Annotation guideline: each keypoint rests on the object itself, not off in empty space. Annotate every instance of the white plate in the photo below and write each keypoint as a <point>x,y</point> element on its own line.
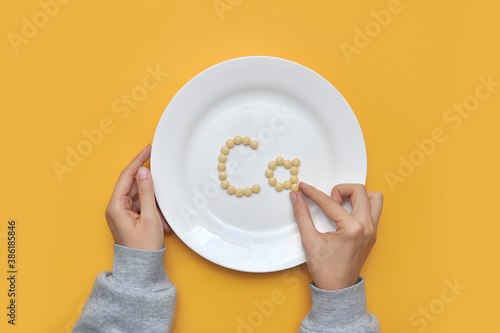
<point>292,112</point>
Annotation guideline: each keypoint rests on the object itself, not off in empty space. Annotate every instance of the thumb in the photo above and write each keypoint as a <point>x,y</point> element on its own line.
<point>303,217</point>
<point>146,193</point>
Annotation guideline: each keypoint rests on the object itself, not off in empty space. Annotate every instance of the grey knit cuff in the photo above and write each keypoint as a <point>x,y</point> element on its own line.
<point>339,309</point>
<point>141,269</point>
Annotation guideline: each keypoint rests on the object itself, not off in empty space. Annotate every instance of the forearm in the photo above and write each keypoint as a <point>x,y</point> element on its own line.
<point>137,296</point>
<point>340,311</point>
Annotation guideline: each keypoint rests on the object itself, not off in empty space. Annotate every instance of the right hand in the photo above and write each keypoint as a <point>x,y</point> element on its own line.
<point>335,259</point>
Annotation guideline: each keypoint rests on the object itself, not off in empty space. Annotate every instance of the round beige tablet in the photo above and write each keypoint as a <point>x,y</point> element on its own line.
<point>221,166</point>
<point>279,160</point>
<point>224,183</point>
<point>269,173</point>
<point>230,143</point>
<point>238,140</point>
<point>222,158</point>
<point>222,175</point>
<point>295,187</point>
<point>271,165</point>
<point>254,144</point>
<point>231,189</point>
<point>287,184</point>
<point>296,162</point>
<point>278,187</point>
<point>294,170</point>
<point>287,164</point>
<point>239,192</point>
<point>294,179</point>
<point>224,150</point>
<point>248,191</point>
<point>272,181</point>
<point>246,140</point>
<point>256,188</point>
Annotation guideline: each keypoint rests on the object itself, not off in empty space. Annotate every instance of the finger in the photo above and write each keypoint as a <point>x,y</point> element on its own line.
<point>359,200</point>
<point>133,191</point>
<point>337,196</point>
<point>166,226</point>
<point>124,184</point>
<point>146,194</point>
<point>331,208</point>
<point>376,204</point>
<point>303,217</point>
<point>136,206</point>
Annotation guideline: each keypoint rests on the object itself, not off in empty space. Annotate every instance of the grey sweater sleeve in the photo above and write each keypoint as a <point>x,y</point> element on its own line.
<point>340,311</point>
<point>137,296</point>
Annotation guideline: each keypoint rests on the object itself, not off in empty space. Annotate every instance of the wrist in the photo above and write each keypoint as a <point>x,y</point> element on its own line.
<point>333,284</point>
<point>141,245</point>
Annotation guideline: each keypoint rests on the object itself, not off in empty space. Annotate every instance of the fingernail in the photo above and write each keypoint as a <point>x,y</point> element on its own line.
<point>293,197</point>
<point>142,173</point>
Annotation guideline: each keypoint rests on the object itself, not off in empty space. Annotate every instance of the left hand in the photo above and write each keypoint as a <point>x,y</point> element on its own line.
<point>132,213</point>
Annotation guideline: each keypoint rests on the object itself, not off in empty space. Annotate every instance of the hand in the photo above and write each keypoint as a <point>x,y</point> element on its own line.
<point>132,213</point>
<point>335,259</point>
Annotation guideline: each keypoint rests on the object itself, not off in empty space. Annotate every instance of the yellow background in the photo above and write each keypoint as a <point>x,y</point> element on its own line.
<point>439,224</point>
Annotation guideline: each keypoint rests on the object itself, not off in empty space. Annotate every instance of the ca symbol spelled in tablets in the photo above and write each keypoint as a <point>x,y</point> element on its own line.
<point>292,165</point>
